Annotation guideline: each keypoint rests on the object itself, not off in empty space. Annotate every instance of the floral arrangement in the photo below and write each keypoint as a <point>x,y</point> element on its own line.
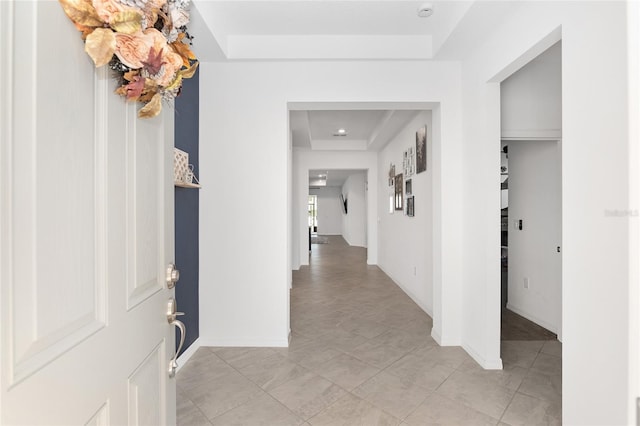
<point>145,42</point>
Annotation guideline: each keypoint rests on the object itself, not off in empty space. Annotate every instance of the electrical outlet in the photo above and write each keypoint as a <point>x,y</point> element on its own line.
<point>526,283</point>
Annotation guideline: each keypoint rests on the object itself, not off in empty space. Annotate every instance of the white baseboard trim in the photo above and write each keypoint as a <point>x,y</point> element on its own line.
<point>188,353</point>
<point>354,244</point>
<point>443,342</point>
<point>436,336</point>
<point>487,364</point>
<point>407,292</point>
<point>244,342</point>
<point>552,328</point>
<point>494,364</point>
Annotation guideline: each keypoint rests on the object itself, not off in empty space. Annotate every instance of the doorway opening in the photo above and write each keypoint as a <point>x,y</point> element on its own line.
<point>531,209</point>
<point>337,206</point>
<point>530,234</point>
<point>313,214</point>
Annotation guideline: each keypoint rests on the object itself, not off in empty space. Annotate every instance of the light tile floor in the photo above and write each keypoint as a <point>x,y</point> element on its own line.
<point>361,354</point>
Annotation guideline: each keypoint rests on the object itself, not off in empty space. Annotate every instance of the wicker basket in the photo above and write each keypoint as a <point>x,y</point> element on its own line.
<point>180,165</point>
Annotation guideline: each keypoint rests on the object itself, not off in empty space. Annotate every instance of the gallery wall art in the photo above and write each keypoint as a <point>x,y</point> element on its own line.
<point>421,149</point>
<point>399,197</point>
<point>408,162</point>
<point>410,206</point>
<point>392,174</point>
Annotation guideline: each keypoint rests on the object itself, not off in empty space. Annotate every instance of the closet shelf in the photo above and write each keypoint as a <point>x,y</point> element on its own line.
<point>187,185</point>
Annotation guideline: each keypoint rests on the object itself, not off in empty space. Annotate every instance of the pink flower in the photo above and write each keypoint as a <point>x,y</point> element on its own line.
<point>157,4</point>
<point>133,49</point>
<point>150,12</point>
<point>172,63</point>
<point>106,8</point>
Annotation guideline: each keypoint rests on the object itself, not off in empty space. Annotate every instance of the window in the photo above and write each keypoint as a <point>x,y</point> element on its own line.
<point>313,213</point>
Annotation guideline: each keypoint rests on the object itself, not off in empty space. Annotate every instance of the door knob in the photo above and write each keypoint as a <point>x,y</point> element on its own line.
<point>173,364</point>
<point>173,275</point>
<point>172,314</point>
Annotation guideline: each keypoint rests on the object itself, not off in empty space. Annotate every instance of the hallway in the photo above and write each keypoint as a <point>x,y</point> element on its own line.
<point>361,353</point>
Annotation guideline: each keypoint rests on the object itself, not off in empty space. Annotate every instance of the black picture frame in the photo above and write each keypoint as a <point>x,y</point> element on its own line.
<point>410,206</point>
<point>421,149</point>
<point>399,192</point>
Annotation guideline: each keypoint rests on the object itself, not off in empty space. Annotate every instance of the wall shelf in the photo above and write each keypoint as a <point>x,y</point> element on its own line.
<point>187,185</point>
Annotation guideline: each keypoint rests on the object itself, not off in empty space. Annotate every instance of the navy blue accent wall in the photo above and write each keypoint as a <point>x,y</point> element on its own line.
<point>186,210</point>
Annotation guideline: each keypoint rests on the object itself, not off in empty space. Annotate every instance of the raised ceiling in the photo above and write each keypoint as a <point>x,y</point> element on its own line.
<point>327,29</point>
<point>367,130</point>
<point>342,30</point>
<point>329,177</point>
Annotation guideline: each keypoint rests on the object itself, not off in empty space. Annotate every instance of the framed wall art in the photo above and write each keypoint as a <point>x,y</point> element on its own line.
<point>392,174</point>
<point>408,162</point>
<point>399,198</point>
<point>410,208</point>
<point>421,149</point>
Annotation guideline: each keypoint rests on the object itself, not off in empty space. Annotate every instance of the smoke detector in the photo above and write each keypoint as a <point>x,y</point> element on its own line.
<point>425,10</point>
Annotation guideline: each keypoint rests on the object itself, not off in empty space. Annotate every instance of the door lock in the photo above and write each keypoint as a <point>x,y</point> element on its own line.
<point>173,275</point>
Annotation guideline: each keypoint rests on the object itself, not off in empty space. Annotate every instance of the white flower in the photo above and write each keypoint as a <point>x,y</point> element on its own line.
<point>180,4</point>
<point>171,35</point>
<point>179,17</point>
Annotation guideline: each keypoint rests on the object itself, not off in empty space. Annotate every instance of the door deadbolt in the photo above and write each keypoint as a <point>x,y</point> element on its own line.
<point>173,275</point>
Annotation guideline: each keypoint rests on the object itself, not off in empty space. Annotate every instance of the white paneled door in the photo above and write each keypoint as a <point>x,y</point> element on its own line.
<point>86,224</point>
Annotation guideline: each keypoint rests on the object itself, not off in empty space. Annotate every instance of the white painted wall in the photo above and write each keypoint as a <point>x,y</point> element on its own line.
<point>406,243</point>
<point>535,197</point>
<point>244,257</point>
<point>531,98</point>
<point>633,37</point>
<point>354,223</point>
<point>329,210</point>
<point>595,165</point>
<point>241,304</point>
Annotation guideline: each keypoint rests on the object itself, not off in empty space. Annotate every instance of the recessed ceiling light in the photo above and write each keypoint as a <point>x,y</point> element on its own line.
<point>340,132</point>
<point>425,10</point>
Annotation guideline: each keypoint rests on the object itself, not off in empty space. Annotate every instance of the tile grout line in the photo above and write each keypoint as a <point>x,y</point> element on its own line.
<point>338,313</point>
<point>517,391</point>
<point>268,393</point>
